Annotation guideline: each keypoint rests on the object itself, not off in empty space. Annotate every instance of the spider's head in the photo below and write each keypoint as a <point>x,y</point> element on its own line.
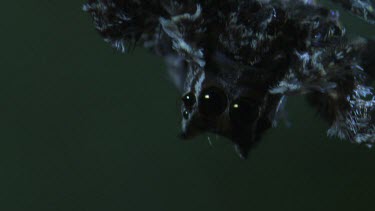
<point>226,105</point>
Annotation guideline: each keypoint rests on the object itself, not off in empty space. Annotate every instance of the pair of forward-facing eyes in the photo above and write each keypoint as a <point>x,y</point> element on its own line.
<point>213,102</point>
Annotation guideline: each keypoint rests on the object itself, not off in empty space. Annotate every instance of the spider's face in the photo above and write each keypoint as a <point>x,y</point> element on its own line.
<point>212,104</point>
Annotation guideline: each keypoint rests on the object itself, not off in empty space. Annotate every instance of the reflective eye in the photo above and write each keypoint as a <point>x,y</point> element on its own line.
<point>243,112</point>
<point>212,102</point>
<point>185,114</point>
<point>189,100</point>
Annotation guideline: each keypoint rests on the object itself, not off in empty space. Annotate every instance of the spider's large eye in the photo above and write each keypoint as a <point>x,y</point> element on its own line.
<point>212,102</point>
<point>243,112</point>
<point>189,100</point>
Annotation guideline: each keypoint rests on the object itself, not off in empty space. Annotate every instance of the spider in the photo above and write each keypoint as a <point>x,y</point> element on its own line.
<point>235,61</point>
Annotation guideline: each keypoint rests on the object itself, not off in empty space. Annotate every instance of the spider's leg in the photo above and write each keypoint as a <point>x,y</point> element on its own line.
<point>349,107</point>
<point>365,9</point>
<point>124,23</point>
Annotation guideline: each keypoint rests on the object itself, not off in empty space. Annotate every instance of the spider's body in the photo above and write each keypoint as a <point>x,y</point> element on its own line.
<point>236,61</point>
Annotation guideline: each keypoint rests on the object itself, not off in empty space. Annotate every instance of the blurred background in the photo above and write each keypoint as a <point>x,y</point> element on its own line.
<point>83,127</point>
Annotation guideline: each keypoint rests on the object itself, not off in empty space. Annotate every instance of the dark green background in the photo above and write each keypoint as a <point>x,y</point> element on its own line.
<point>83,127</point>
